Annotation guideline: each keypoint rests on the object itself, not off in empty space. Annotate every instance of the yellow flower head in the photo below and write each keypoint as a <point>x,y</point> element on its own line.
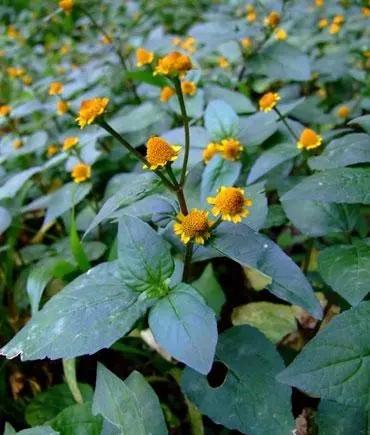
<point>230,149</point>
<point>52,149</point>
<point>12,32</point>
<point>166,93</point>
<point>189,44</point>
<point>66,5</point>
<point>251,16</point>
<point>55,88</point>
<point>246,43</point>
<point>281,34</point>
<point>14,71</point>
<point>272,19</point>
<point>173,63</point>
<point>223,62</point>
<point>309,139</point>
<point>334,28</point>
<point>319,3</point>
<point>69,142</point>
<point>230,203</point>
<point>343,111</point>
<point>143,57</point>
<point>81,172</point>
<point>338,19</point>
<point>176,41</point>
<point>91,109</point>
<point>188,88</point>
<point>64,49</point>
<point>62,107</point>
<point>17,143</point>
<point>323,23</point>
<point>27,79</point>
<point>210,150</point>
<point>195,226</point>
<point>106,40</point>
<point>159,152</point>
<point>5,110</point>
<point>268,101</point>
<point>365,12</point>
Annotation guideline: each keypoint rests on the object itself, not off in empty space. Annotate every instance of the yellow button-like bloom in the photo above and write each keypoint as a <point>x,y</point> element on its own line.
<point>91,109</point>
<point>66,5</point>
<point>323,23</point>
<point>334,28</point>
<point>106,40</point>
<point>69,142</point>
<point>272,19</point>
<point>210,150</point>
<point>251,16</point>
<point>17,143</point>
<point>159,152</point>
<point>338,19</point>
<point>268,101</point>
<point>223,62</point>
<point>365,12</point>
<point>55,88</point>
<point>52,149</point>
<point>62,107</point>
<point>173,63</point>
<point>143,57</point>
<point>195,226</point>
<point>15,72</point>
<point>230,149</point>
<point>281,34</point>
<point>319,3</point>
<point>27,79</point>
<point>230,203</point>
<point>188,88</point>
<point>166,93</point>
<point>81,172</point>
<point>5,110</point>
<point>343,111</point>
<point>12,32</point>
<point>246,43</point>
<point>309,139</point>
<point>189,44</point>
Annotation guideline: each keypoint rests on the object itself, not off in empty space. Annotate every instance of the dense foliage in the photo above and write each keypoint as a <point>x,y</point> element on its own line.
<point>184,210</point>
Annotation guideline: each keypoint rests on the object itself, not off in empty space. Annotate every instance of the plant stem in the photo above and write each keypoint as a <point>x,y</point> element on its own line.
<point>179,192</point>
<point>187,262</point>
<point>134,151</point>
<point>282,118</point>
<point>185,120</point>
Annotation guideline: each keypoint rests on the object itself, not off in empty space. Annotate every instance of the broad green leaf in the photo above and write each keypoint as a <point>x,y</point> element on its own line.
<point>9,429</point>
<point>77,247</point>
<point>275,321</point>
<point>346,268</point>
<point>333,418</point>
<point>258,211</point>
<point>363,121</point>
<point>247,247</point>
<point>130,405</point>
<point>146,77</point>
<point>257,279</point>
<point>239,102</point>
<point>348,150</point>
<point>48,404</point>
<point>90,313</point>
<point>256,128</point>
<point>39,430</point>
<point>194,105</point>
<point>185,327</point>
<point>77,420</point>
<point>249,399</point>
<point>220,120</point>
<point>208,286</point>
<point>5,219</point>
<point>218,172</point>
<point>335,364</point>
<point>281,61</point>
<point>342,185</point>
<point>144,256</point>
<point>14,183</point>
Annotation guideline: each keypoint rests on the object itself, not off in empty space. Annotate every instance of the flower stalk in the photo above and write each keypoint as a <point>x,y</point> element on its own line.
<point>284,121</point>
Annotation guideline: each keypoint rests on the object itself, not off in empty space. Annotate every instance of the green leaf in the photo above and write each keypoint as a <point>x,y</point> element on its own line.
<point>146,77</point>
<point>220,120</point>
<point>347,150</point>
<point>76,246</point>
<point>346,268</point>
<point>258,211</point>
<point>363,121</point>
<point>281,61</point>
<point>208,286</point>
<point>335,364</point>
<point>275,321</point>
<point>185,327</point>
<point>9,429</point>
<point>247,247</point>
<point>239,102</point>
<point>48,404</point>
<point>90,313</point>
<point>77,420</point>
<point>145,257</point>
<point>14,183</point>
<point>218,172</point>
<point>342,185</point>
<point>258,127</point>
<point>5,219</point>
<point>249,399</point>
<point>39,430</point>
<point>132,406</point>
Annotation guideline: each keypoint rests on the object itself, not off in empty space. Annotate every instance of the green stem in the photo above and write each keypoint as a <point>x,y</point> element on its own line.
<point>282,118</point>
<point>185,120</point>
<point>179,192</point>
<point>187,262</point>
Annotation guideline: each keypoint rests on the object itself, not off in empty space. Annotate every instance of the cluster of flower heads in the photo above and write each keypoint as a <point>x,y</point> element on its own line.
<point>228,148</point>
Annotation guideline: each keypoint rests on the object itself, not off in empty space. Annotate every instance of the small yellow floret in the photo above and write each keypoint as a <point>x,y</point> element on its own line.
<point>91,109</point>
<point>230,203</point>
<point>143,57</point>
<point>81,172</point>
<point>268,101</point>
<point>159,152</point>
<point>195,226</point>
<point>309,139</point>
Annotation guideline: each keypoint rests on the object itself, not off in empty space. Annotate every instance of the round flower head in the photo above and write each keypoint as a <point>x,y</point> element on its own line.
<point>309,139</point>
<point>106,40</point>
<point>251,16</point>
<point>281,34</point>
<point>334,28</point>
<point>91,109</point>
<point>5,110</point>
<point>319,3</point>
<point>143,57</point>
<point>176,41</point>
<point>343,111</point>
<point>27,79</point>
<point>230,204</point>
<point>69,142</point>
<point>173,63</point>
<point>223,62</point>
<point>195,226</point>
<point>52,149</point>
<point>15,72</point>
<point>188,88</point>
<point>55,88</point>
<point>338,19</point>
<point>62,107</point>
<point>166,93</point>
<point>230,149</point>
<point>323,23</point>
<point>268,101</point>
<point>210,150</point>
<point>66,5</point>
<point>246,43</point>
<point>272,19</point>
<point>17,143</point>
<point>81,172</point>
<point>365,12</point>
<point>159,152</point>
<point>189,44</point>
